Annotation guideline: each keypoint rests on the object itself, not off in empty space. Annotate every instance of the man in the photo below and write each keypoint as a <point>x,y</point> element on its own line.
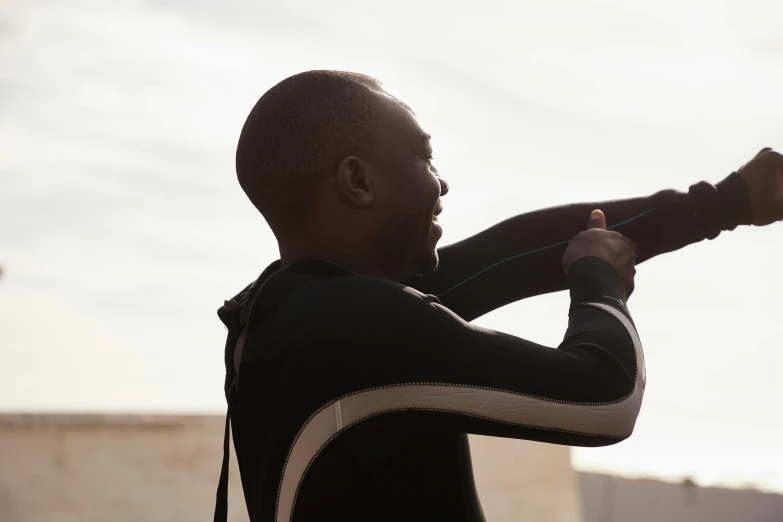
<point>353,373</point>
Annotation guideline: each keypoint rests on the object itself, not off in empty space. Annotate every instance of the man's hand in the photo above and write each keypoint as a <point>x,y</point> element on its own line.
<point>613,247</point>
<point>763,176</point>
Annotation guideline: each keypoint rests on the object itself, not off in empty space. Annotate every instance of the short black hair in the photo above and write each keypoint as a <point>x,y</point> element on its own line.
<point>299,129</point>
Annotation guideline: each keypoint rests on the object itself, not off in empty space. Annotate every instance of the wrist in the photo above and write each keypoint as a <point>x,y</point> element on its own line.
<point>591,278</point>
<point>734,202</point>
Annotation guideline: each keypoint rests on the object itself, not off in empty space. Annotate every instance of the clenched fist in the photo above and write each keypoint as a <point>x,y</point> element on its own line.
<point>763,176</point>
<point>613,247</point>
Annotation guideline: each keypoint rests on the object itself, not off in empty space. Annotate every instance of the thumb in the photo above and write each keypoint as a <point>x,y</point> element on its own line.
<point>597,220</point>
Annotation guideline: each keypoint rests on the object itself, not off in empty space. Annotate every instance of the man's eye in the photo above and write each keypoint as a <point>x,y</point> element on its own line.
<point>430,159</point>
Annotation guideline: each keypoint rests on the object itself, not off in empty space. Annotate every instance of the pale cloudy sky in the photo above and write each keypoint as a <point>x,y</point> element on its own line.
<point>122,228</point>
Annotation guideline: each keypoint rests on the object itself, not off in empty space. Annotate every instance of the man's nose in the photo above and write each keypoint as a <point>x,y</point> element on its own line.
<point>444,186</point>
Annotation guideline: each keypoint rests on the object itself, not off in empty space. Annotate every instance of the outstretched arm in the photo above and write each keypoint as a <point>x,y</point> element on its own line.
<point>521,257</point>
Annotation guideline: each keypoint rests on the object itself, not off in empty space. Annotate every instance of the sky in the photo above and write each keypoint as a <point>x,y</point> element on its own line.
<point>123,229</point>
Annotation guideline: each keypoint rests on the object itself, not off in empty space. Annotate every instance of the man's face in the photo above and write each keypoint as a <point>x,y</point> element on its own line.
<point>410,200</point>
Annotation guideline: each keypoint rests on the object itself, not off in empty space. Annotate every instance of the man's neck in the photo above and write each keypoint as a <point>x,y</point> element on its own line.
<point>356,263</point>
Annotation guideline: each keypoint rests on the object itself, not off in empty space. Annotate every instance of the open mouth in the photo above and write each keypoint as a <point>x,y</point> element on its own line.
<point>437,211</point>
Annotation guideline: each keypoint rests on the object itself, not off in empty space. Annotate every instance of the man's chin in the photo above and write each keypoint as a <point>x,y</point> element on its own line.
<point>428,263</point>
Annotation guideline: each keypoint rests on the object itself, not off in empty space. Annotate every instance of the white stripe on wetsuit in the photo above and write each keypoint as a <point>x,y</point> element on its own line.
<point>614,419</point>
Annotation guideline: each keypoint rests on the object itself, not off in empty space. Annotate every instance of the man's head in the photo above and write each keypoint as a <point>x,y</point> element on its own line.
<point>341,168</point>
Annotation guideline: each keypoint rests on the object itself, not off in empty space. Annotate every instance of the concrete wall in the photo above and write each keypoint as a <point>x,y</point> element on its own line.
<point>110,468</point>
<point>107,468</point>
<point>615,499</point>
<point>117,468</point>
<point>523,481</point>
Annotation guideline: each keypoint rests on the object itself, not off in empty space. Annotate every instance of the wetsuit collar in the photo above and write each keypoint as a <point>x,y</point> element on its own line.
<point>319,267</point>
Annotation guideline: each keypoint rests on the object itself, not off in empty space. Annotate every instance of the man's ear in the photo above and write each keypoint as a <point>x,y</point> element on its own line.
<point>355,181</point>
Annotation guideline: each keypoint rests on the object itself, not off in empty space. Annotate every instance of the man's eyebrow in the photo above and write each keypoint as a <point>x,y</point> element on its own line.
<point>425,140</point>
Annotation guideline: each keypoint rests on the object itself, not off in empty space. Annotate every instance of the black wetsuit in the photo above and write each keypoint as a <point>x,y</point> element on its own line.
<point>355,394</point>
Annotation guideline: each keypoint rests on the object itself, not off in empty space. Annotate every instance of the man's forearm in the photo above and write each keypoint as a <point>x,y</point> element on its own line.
<point>521,257</point>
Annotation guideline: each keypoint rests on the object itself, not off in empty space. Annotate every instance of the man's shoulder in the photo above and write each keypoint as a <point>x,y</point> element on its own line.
<point>353,307</point>
<point>356,305</point>
<point>367,290</point>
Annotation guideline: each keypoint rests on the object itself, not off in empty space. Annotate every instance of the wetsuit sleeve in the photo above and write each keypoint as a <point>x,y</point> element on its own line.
<point>367,350</point>
<point>393,349</point>
<point>521,257</point>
